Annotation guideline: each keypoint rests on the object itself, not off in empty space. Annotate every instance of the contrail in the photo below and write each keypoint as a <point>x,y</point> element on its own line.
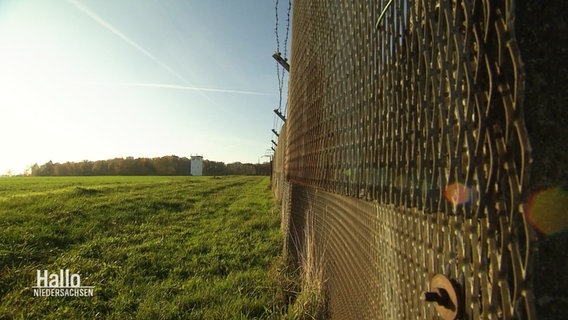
<point>170,86</point>
<point>122,36</point>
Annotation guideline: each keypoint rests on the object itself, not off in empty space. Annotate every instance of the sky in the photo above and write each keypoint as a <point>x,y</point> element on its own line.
<point>100,79</point>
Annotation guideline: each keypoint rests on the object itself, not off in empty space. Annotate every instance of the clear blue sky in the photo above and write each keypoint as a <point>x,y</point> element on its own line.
<point>98,79</point>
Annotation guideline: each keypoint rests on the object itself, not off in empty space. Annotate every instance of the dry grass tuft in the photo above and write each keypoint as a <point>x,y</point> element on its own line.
<point>303,288</point>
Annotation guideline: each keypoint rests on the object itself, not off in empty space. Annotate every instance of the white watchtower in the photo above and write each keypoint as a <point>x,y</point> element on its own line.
<point>196,165</point>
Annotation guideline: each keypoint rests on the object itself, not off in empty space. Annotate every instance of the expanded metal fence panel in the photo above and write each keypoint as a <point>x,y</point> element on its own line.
<point>396,114</point>
<point>379,259</point>
<point>406,145</point>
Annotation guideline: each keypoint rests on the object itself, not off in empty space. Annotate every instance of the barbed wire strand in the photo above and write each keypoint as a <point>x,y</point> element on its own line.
<point>286,44</point>
<point>281,75</point>
<point>275,118</point>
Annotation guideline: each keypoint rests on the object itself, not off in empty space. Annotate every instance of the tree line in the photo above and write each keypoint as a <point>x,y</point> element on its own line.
<point>162,166</point>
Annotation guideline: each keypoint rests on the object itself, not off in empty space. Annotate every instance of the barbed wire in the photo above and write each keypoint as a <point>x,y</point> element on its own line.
<point>286,44</point>
<point>281,75</point>
<point>287,27</point>
<point>279,69</point>
<point>276,27</point>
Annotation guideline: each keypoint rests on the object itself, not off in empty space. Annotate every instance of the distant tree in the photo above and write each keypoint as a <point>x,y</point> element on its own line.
<point>145,167</point>
<point>35,170</point>
<point>238,168</point>
<point>168,165</point>
<point>59,170</point>
<point>128,167</point>
<point>263,169</point>
<point>164,166</point>
<point>214,168</point>
<point>46,169</point>
<point>182,166</point>
<point>100,168</point>
<point>83,168</point>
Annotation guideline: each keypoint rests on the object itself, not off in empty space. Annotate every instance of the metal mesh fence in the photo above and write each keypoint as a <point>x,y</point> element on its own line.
<point>406,146</point>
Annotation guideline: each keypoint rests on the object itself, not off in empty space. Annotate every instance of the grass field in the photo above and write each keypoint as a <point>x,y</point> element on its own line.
<point>153,247</point>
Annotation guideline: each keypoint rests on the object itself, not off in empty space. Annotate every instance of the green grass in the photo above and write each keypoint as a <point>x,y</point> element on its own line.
<point>153,247</point>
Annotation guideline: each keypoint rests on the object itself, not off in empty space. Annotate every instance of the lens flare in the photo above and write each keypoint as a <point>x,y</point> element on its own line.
<point>547,210</point>
<point>457,193</point>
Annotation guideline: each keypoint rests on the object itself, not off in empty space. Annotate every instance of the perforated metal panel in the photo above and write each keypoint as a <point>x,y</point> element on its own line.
<point>406,146</point>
